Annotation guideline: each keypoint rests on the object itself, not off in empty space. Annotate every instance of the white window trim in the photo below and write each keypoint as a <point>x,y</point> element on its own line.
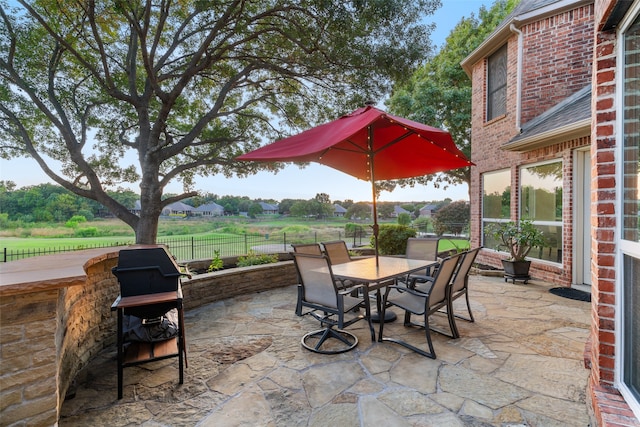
<point>625,247</point>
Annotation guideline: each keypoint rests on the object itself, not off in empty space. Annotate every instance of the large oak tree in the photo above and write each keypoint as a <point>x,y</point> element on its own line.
<point>439,92</point>
<point>183,87</point>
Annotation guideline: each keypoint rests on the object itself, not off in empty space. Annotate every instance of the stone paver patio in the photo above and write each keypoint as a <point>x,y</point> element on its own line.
<point>519,364</point>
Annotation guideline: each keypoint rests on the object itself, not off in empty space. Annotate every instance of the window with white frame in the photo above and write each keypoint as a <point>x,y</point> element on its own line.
<point>541,202</point>
<point>497,84</point>
<point>629,359</point>
<point>496,202</point>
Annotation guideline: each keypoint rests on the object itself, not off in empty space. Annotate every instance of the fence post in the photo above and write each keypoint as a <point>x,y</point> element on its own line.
<point>5,255</point>
<point>284,242</point>
<point>193,250</point>
<point>246,246</point>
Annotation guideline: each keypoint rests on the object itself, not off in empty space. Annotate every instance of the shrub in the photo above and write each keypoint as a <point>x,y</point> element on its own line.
<point>392,239</point>
<point>422,224</point>
<point>404,218</point>
<point>87,232</point>
<point>216,262</point>
<point>453,217</point>
<point>353,230</point>
<point>253,258</point>
<point>74,221</point>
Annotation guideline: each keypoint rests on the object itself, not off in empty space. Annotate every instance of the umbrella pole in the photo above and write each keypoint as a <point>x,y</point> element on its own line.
<point>373,190</point>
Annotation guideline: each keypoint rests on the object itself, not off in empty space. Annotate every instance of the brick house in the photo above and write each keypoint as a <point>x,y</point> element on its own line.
<point>550,144</point>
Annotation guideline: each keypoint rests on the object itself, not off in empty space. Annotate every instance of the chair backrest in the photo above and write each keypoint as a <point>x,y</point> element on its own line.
<point>308,248</point>
<point>425,248</point>
<point>316,279</point>
<point>442,279</point>
<point>337,252</point>
<point>461,277</point>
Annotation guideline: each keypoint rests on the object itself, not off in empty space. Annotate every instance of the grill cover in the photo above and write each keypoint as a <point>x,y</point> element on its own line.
<point>147,270</point>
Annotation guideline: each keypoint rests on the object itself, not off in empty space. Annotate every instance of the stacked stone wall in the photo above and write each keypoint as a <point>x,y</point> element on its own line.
<point>48,333</point>
<point>28,362</point>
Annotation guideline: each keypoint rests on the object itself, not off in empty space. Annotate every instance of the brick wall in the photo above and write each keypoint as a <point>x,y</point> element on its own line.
<point>557,56</point>
<point>609,408</point>
<point>557,53</point>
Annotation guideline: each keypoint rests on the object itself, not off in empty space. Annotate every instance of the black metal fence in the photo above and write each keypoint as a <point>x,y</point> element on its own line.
<point>205,247</point>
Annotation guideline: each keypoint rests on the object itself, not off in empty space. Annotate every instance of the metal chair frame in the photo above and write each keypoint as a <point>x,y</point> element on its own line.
<point>318,292</point>
<point>414,301</point>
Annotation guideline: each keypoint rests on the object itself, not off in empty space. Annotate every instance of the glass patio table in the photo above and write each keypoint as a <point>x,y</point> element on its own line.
<point>374,277</point>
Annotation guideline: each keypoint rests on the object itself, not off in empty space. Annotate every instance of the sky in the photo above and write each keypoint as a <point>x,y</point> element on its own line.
<point>293,182</point>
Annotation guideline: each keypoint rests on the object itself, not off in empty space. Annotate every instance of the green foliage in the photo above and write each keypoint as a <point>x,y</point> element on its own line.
<point>353,230</point>
<point>216,262</point>
<point>452,218</point>
<point>87,232</point>
<point>392,239</point>
<point>253,258</point>
<point>517,237</point>
<point>404,218</point>
<point>254,210</point>
<point>295,229</point>
<point>439,93</point>
<point>359,211</point>
<point>124,70</point>
<point>422,224</point>
<point>74,221</point>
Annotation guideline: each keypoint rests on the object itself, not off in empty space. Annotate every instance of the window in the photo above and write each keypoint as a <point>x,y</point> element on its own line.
<point>496,202</point>
<point>629,128</point>
<point>541,202</point>
<point>497,84</point>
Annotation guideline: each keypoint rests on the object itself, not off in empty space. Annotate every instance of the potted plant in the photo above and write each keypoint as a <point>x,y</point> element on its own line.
<point>518,237</point>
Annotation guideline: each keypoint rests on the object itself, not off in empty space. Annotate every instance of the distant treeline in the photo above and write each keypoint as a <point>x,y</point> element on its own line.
<point>53,203</point>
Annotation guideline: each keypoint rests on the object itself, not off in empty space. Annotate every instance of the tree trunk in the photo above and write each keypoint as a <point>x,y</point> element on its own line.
<point>147,229</point>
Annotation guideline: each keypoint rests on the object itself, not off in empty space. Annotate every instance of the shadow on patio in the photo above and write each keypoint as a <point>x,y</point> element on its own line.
<point>520,363</point>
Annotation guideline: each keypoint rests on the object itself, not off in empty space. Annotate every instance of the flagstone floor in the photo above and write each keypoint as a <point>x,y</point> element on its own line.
<point>519,364</point>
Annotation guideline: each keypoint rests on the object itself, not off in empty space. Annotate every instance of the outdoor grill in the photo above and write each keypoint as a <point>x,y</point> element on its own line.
<point>145,271</point>
<point>150,290</point>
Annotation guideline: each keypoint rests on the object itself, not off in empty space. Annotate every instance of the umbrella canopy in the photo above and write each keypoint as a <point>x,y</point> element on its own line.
<point>369,144</point>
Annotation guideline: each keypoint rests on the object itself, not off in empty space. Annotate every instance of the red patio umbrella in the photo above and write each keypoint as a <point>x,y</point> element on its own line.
<point>372,145</point>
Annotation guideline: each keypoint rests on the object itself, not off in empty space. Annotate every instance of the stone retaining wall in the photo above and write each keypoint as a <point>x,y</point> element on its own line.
<point>50,330</point>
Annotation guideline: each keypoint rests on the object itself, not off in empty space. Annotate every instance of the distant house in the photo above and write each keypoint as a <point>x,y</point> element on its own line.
<point>338,210</point>
<point>137,208</point>
<point>178,208</point>
<point>397,210</point>
<point>269,209</point>
<point>209,210</point>
<point>428,210</point>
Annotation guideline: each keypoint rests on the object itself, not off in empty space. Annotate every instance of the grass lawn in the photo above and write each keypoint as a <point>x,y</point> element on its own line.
<point>195,238</point>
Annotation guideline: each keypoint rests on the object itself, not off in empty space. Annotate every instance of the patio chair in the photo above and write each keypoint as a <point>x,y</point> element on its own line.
<point>308,248</point>
<point>460,282</point>
<point>337,251</point>
<point>460,285</point>
<point>339,254</point>
<point>424,248</point>
<point>427,302</point>
<point>330,305</point>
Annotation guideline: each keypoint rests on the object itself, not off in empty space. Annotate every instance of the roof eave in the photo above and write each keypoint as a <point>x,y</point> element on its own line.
<point>571,131</point>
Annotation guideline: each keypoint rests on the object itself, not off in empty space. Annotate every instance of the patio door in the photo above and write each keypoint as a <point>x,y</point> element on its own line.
<point>582,220</point>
